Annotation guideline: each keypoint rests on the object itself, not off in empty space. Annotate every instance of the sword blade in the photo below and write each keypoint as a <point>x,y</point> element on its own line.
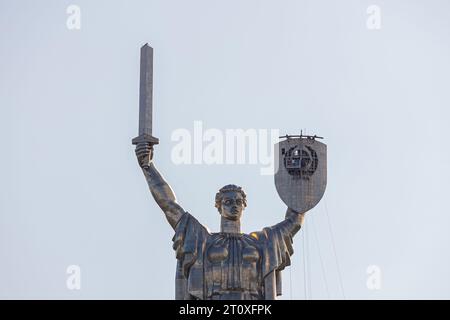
<point>146,91</point>
<point>146,97</point>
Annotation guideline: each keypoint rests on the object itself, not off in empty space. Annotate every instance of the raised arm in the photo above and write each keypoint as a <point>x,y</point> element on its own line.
<point>280,236</point>
<point>295,219</point>
<point>292,222</point>
<point>160,189</point>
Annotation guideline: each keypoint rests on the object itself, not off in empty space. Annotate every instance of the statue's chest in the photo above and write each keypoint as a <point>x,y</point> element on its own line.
<point>234,249</point>
<point>232,263</point>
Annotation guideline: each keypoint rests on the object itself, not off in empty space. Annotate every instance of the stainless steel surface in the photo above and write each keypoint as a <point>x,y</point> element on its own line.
<point>146,97</point>
<point>301,178</point>
<point>230,264</point>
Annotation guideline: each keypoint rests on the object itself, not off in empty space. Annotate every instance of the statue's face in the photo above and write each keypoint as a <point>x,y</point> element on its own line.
<point>232,205</point>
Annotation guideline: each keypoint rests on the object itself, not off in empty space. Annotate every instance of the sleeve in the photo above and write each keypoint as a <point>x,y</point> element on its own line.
<point>189,242</point>
<point>277,246</point>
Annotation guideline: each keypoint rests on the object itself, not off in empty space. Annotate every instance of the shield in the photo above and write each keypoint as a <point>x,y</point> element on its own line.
<point>301,177</point>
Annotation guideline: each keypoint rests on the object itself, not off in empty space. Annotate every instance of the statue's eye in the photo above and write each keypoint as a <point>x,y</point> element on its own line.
<point>227,202</point>
<point>239,202</point>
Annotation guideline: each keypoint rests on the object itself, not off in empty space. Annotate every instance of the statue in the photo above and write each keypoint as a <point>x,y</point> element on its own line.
<point>230,265</point>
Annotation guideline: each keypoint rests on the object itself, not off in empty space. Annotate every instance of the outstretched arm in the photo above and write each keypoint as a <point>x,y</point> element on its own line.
<point>281,236</point>
<point>296,220</point>
<point>160,189</point>
<point>293,221</point>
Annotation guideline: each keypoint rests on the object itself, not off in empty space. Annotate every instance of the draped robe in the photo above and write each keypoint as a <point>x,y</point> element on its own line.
<point>231,265</point>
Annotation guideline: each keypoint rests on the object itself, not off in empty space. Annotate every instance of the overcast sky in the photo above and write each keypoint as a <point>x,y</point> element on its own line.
<point>71,192</point>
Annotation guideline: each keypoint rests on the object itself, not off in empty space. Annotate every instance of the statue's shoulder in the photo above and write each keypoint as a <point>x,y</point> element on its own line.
<point>188,221</point>
<point>264,235</point>
<point>257,236</point>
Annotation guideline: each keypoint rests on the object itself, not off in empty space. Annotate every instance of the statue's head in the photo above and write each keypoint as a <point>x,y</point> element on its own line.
<point>231,201</point>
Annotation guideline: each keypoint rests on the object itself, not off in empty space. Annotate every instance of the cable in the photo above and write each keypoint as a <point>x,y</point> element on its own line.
<point>308,262</point>
<point>304,265</point>
<point>334,249</point>
<point>290,279</point>
<point>324,276</point>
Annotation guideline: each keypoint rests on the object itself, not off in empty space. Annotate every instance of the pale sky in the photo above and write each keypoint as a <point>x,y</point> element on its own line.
<point>71,192</point>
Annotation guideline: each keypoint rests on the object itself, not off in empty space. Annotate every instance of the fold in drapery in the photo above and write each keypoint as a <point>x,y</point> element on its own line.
<point>190,240</point>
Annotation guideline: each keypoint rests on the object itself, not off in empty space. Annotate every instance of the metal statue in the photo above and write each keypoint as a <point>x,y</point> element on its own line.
<point>231,265</point>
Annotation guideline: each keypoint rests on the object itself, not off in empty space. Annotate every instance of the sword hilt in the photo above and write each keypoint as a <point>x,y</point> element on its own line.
<point>145,138</point>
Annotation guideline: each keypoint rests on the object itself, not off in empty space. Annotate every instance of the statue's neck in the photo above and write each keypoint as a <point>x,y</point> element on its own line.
<point>229,226</point>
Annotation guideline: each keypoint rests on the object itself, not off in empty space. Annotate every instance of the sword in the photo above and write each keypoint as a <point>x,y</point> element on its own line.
<point>145,98</point>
